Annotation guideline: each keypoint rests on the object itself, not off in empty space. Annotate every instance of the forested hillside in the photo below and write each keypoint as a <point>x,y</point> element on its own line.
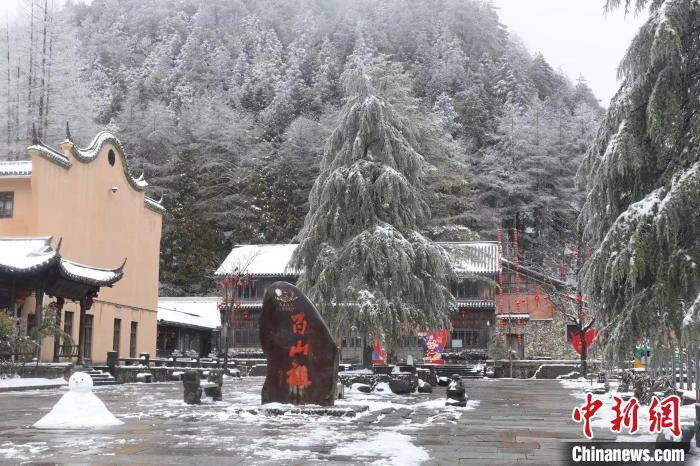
<point>227,106</point>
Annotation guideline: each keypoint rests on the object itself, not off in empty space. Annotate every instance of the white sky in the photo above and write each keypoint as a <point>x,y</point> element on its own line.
<point>575,36</point>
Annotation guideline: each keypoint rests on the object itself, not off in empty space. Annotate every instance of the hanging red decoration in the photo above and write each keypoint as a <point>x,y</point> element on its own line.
<point>246,314</point>
<point>574,338</point>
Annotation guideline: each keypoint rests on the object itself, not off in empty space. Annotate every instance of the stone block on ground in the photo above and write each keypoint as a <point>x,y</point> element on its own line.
<point>360,387</point>
<point>424,387</point>
<point>258,370</point>
<point>427,375</point>
<point>456,393</point>
<point>400,386</point>
<point>191,383</point>
<point>552,371</point>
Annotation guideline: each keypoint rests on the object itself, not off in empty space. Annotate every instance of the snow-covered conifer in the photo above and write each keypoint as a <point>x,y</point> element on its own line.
<point>365,263</point>
<point>643,179</point>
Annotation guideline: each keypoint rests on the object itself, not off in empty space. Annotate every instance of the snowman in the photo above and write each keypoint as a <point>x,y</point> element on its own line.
<point>79,408</point>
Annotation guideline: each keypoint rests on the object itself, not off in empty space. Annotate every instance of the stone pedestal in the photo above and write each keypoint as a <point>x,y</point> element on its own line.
<point>192,385</point>
<point>456,393</point>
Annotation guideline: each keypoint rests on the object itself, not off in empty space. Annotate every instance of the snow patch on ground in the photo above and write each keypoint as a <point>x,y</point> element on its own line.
<point>394,447</point>
<point>30,382</point>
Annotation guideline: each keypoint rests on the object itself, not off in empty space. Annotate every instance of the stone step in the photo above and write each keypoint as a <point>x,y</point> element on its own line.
<point>464,371</point>
<point>100,377</point>
<point>99,383</point>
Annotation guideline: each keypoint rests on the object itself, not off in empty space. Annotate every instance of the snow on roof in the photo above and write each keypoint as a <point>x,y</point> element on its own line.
<point>16,169</point>
<point>274,259</point>
<point>200,312</point>
<point>85,273</point>
<point>474,256</point>
<point>28,255</point>
<point>259,259</point>
<point>22,255</point>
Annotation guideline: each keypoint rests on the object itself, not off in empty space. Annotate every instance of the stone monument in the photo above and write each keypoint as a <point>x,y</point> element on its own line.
<point>302,358</point>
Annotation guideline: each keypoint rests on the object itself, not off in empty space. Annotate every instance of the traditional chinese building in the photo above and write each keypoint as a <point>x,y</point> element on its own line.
<point>519,312</point>
<point>189,324</point>
<point>88,199</point>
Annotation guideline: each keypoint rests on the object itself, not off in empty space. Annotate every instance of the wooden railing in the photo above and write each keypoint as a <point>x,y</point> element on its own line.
<point>68,351</point>
<point>19,351</point>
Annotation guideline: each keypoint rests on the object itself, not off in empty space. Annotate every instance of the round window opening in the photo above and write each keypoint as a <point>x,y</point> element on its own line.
<point>110,157</point>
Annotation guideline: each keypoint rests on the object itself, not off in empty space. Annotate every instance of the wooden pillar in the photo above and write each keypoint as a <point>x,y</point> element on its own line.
<point>81,332</point>
<point>39,316</point>
<point>13,307</point>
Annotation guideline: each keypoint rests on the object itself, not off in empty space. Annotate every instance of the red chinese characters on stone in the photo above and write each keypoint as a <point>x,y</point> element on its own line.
<point>299,348</point>
<point>625,416</point>
<point>299,323</point>
<point>665,415</point>
<point>585,413</point>
<point>298,376</point>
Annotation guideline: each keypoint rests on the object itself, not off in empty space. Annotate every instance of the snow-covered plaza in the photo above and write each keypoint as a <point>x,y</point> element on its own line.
<point>506,421</point>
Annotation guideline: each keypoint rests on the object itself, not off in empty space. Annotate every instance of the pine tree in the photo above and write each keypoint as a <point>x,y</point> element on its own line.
<point>643,180</point>
<point>365,264</point>
<point>191,245</point>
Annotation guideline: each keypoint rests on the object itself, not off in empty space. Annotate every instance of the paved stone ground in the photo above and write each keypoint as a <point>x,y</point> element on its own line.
<point>517,422</point>
<point>514,422</point>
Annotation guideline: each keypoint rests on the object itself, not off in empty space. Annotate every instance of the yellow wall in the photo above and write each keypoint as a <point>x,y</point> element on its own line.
<point>99,228</point>
<point>22,214</point>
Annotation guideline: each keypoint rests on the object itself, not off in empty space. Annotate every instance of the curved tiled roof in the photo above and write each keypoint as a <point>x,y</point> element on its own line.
<point>90,275</point>
<point>35,255</point>
<point>89,154</point>
<point>26,255</point>
<point>16,169</point>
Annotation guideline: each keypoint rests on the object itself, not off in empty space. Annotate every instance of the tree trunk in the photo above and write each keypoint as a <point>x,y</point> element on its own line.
<point>19,99</point>
<point>584,352</point>
<point>48,84</point>
<point>30,78</point>
<point>42,90</point>
<point>9,116</point>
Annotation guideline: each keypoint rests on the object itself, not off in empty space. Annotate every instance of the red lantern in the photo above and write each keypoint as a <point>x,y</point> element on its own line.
<point>462,312</point>
<point>246,314</point>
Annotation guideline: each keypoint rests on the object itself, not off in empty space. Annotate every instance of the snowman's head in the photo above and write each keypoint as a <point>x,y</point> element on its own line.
<point>80,382</point>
